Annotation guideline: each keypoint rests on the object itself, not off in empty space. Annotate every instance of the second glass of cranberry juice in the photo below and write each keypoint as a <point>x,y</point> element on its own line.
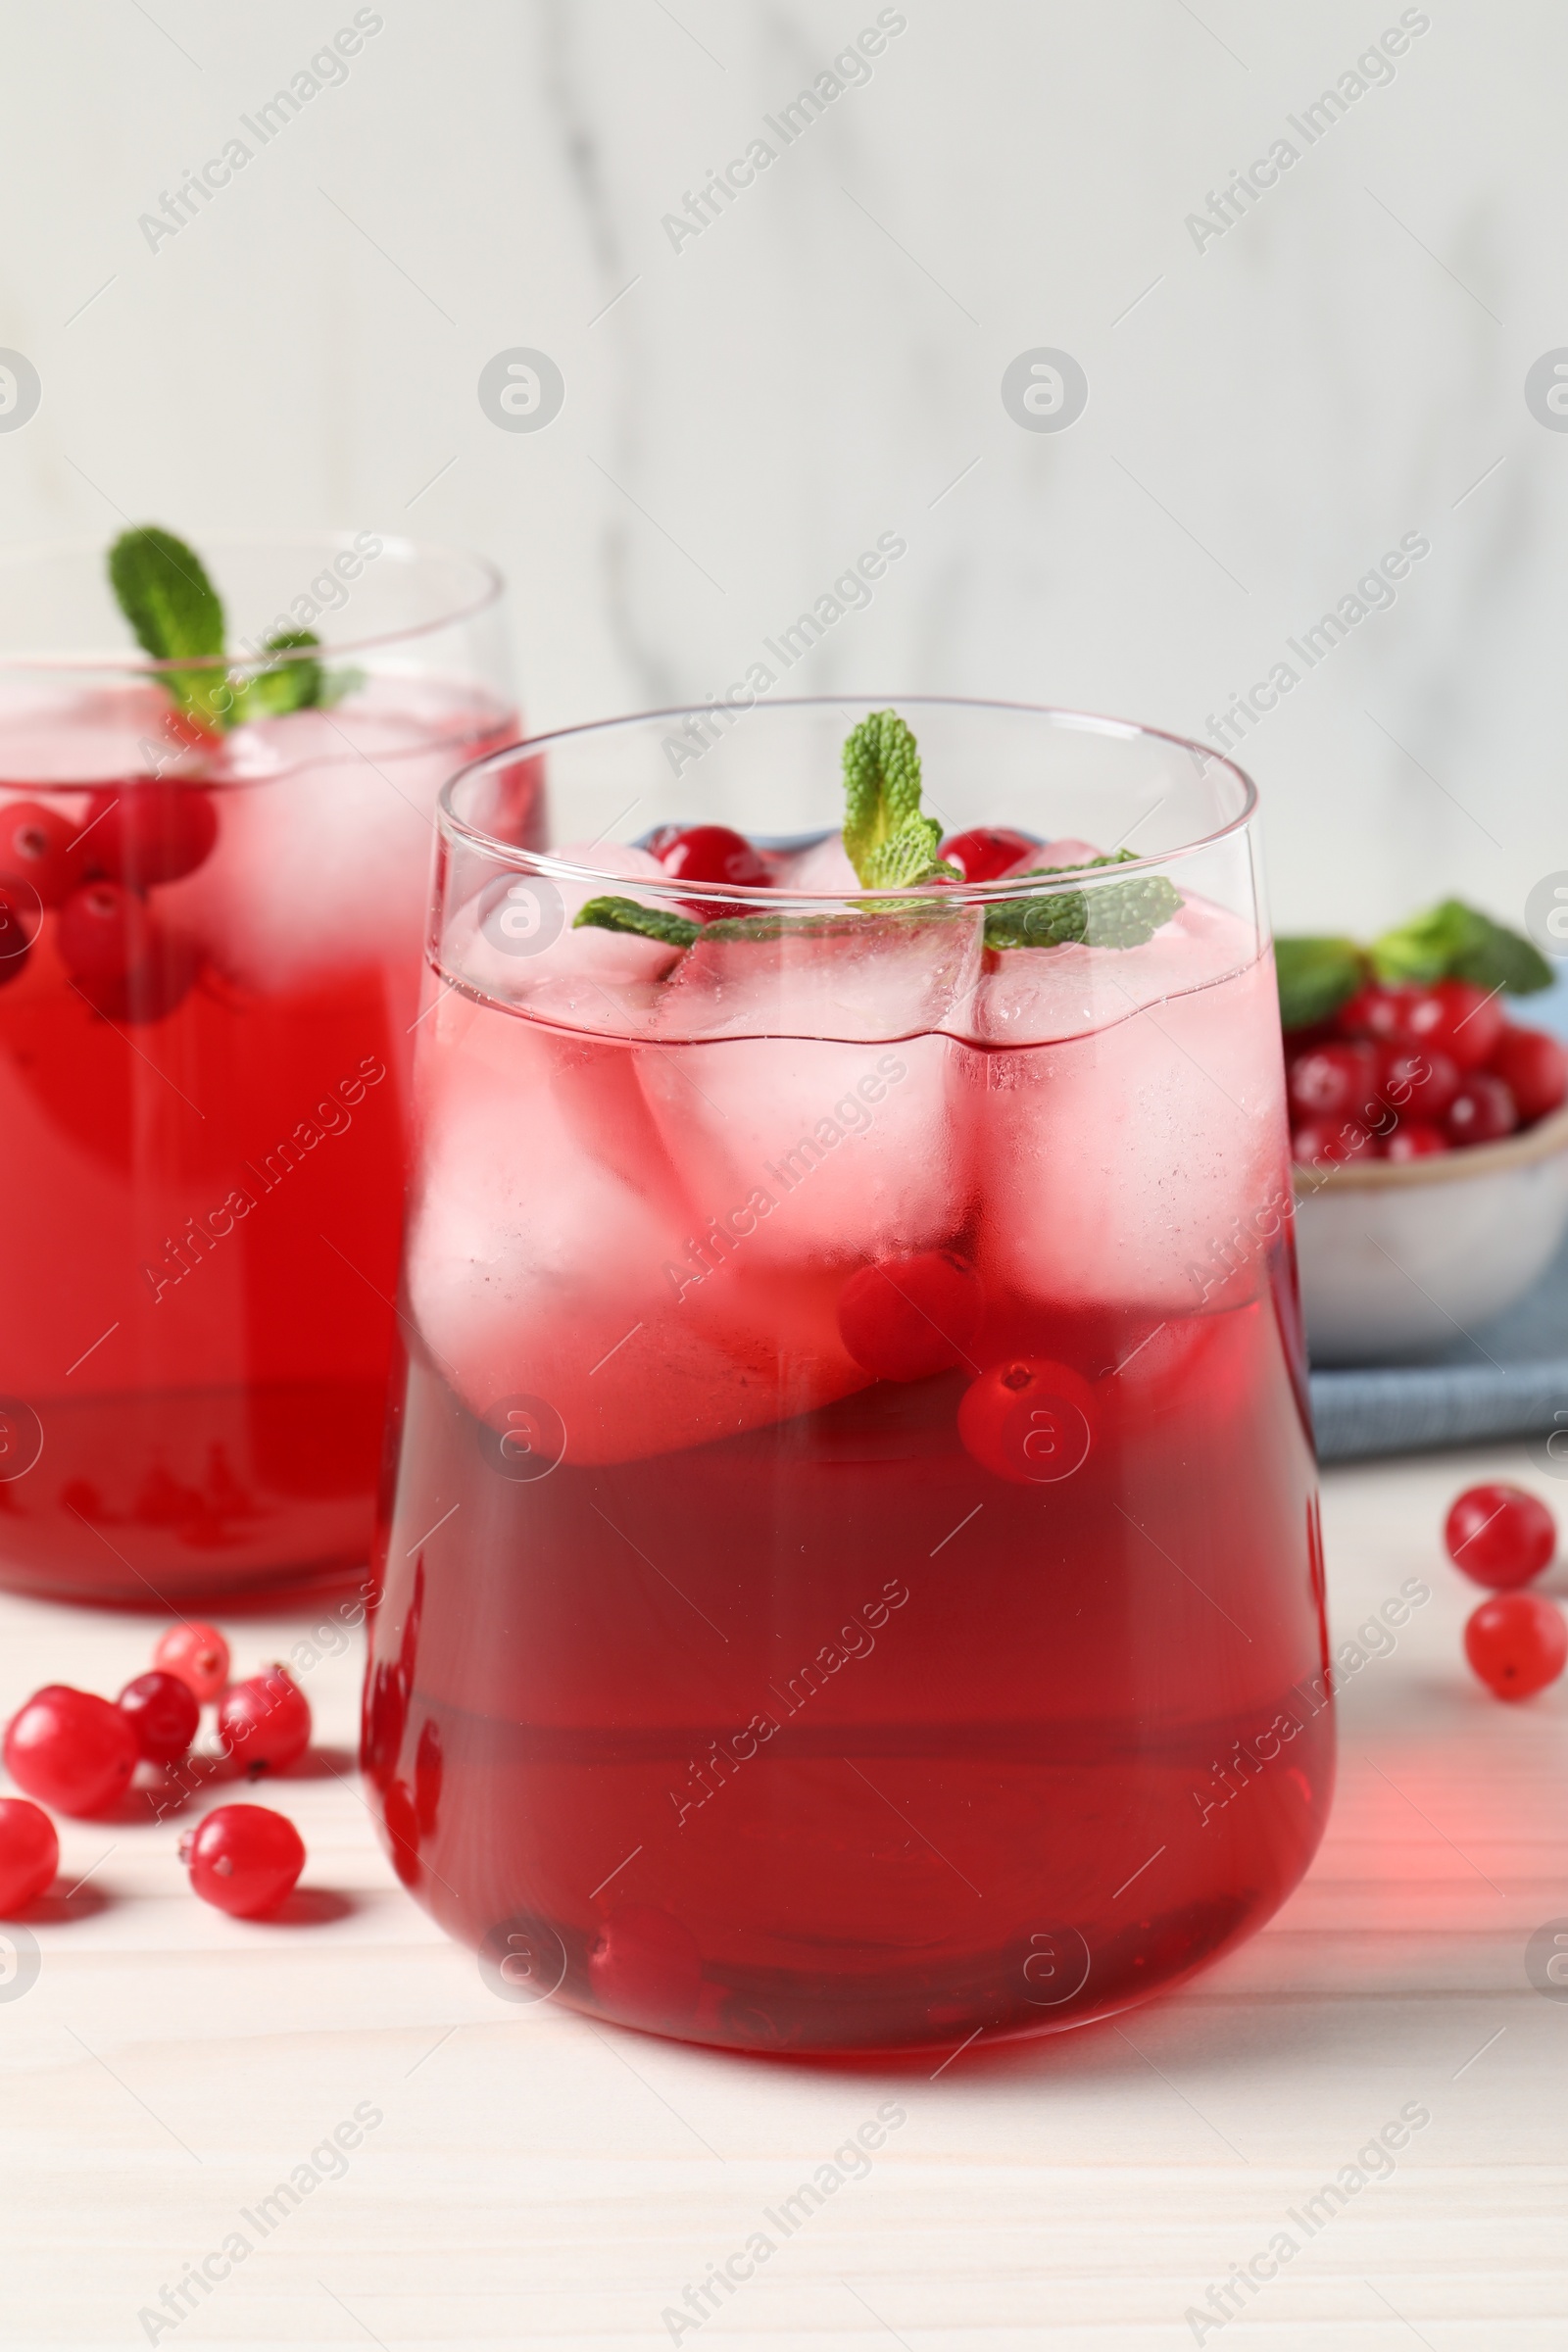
<point>209,967</point>
<point>852,1577</point>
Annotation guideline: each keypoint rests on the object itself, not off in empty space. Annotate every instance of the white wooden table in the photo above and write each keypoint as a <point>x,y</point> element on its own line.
<point>536,2179</point>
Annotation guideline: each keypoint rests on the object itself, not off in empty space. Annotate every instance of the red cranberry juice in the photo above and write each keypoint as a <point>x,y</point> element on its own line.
<point>893,1709</point>
<point>203,1063</point>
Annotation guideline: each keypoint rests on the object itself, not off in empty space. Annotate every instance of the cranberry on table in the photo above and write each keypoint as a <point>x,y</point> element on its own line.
<point>1499,1535</point>
<point>987,852</point>
<point>1413,1138</point>
<point>37,845</point>
<point>1028,1420</point>
<point>1534,1067</point>
<point>244,1859</point>
<point>29,1854</point>
<point>1331,1143</point>
<point>1334,1082</point>
<point>146,833</point>
<point>907,1317</point>
<point>263,1724</point>
<point>1482,1112</point>
<point>71,1749</point>
<point>163,1714</point>
<point>1421,1084</point>
<point>1517,1643</point>
<point>198,1654</point>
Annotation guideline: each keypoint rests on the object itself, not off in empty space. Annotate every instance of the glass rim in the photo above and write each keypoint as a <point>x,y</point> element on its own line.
<point>759,898</point>
<point>490,585</point>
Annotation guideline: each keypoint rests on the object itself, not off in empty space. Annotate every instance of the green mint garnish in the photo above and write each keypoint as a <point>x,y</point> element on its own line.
<point>283,686</point>
<point>888,843</point>
<point>1316,976</point>
<point>649,922</point>
<point>176,614</point>
<point>1456,942</point>
<point>162,589</point>
<point>1450,941</point>
<point>1125,914</point>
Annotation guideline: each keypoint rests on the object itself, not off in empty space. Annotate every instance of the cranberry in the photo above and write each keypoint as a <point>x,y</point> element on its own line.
<point>1482,1111</point>
<point>1499,1535</point>
<point>1412,1139</point>
<point>1328,1142</point>
<point>1420,1086</point>
<point>131,966</point>
<point>1517,1643</point>
<point>29,1853</point>
<point>163,1713</point>
<point>1029,1420</point>
<point>104,931</point>
<point>16,930</point>
<point>907,1317</point>
<point>71,1749</point>
<point>1334,1082</point>
<point>145,832</point>
<point>264,1724</point>
<point>243,1858</point>
<point>644,1966</point>
<point>1376,1013</point>
<point>709,854</point>
<point>1534,1067</point>
<point>198,1654</point>
<point>1459,1018</point>
<point>39,846</point>
<point>987,852</point>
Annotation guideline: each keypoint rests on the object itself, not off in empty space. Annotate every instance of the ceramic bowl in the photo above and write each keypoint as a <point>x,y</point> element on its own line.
<point>1400,1258</point>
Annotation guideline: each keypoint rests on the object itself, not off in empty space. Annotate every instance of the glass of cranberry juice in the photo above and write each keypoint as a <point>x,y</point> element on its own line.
<point>851,1578</point>
<point>209,966</point>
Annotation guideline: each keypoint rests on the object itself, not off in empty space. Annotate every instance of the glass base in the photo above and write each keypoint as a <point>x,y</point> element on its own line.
<point>196,1498</point>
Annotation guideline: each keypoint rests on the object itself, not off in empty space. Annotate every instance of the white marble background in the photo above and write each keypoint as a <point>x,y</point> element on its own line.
<point>823,363</point>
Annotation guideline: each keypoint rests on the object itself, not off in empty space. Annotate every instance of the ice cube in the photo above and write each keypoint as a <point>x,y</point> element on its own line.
<point>1129,1164</point>
<point>516,941</point>
<point>824,868</point>
<point>326,823</point>
<point>553,1256</point>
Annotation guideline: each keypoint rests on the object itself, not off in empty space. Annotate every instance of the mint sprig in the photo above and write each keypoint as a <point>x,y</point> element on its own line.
<point>1456,942</point>
<point>888,843</point>
<point>162,587</point>
<point>1122,915</point>
<point>1450,941</point>
<point>647,922</point>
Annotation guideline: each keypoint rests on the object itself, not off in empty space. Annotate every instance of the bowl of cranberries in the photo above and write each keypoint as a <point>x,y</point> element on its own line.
<point>1428,1132</point>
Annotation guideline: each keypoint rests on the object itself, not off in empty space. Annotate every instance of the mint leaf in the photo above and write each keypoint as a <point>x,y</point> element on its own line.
<point>1126,914</point>
<point>888,843</point>
<point>1423,950</point>
<point>176,614</point>
<point>283,686</point>
<point>166,595</point>
<point>647,922</point>
<point>1316,976</point>
<point>1456,941</point>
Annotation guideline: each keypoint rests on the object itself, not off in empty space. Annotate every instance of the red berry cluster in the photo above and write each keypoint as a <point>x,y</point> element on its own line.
<point>95,875</point>
<point>1402,1073</point>
<point>78,1753</point>
<point>1501,1536</point>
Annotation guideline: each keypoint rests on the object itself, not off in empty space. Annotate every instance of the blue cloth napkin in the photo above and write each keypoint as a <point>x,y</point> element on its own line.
<point>1510,1380</point>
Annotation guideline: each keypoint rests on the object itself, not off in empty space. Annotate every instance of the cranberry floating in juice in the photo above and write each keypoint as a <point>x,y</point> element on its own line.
<point>852,1577</point>
<point>214,865</point>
